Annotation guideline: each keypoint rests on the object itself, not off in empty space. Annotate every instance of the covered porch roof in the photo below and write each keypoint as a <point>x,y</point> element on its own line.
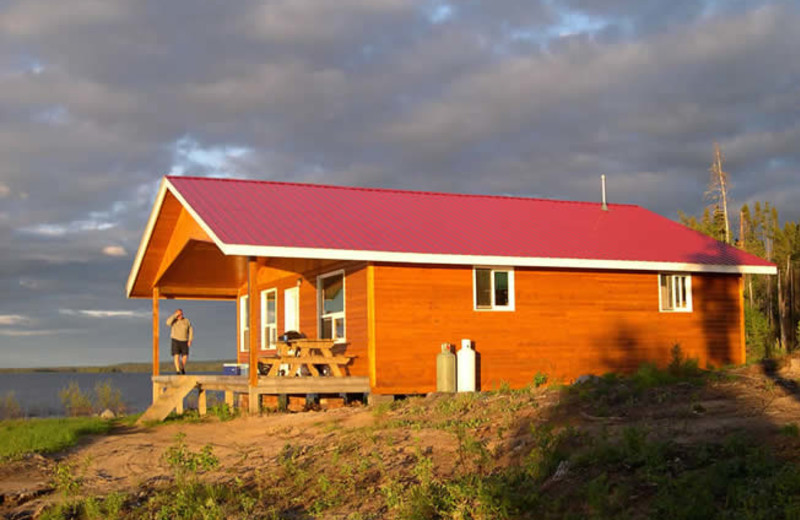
<point>180,258</point>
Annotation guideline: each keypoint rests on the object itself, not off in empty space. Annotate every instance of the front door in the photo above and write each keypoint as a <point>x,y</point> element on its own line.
<point>291,309</point>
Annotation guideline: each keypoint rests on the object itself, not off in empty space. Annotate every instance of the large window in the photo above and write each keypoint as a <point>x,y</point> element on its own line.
<point>675,292</point>
<point>493,289</point>
<point>244,323</point>
<point>269,318</point>
<point>331,306</point>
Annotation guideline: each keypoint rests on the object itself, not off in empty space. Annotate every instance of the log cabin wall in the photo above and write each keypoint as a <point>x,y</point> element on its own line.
<point>566,323</point>
<point>282,274</point>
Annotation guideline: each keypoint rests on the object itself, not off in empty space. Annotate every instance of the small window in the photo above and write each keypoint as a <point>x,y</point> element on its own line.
<point>269,318</point>
<point>675,292</point>
<point>331,306</point>
<point>493,289</point>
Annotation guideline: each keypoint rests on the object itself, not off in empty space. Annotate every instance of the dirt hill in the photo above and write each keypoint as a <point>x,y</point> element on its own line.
<point>660,444</point>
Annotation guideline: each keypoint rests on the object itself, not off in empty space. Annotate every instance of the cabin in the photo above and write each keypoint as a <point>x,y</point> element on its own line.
<point>537,286</point>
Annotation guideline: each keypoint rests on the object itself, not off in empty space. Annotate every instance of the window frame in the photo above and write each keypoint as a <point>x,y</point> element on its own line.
<point>244,322</point>
<point>673,293</point>
<point>511,289</point>
<point>264,325</point>
<point>320,306</point>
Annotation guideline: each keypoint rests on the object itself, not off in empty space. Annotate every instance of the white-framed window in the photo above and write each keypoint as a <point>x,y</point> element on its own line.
<point>244,323</point>
<point>493,289</point>
<point>675,292</point>
<point>330,288</point>
<point>269,318</point>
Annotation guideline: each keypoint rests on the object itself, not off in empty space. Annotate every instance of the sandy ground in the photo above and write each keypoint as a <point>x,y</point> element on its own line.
<point>131,458</point>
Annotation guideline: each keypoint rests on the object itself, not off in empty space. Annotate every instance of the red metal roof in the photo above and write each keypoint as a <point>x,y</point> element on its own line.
<point>292,215</point>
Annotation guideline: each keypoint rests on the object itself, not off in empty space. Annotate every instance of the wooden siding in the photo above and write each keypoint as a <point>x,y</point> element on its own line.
<point>282,274</point>
<point>566,323</point>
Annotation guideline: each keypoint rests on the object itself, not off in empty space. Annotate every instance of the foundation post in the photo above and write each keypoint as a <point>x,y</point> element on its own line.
<point>202,405</point>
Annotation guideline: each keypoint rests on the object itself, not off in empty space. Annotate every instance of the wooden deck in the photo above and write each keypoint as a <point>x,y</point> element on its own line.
<point>170,391</point>
<point>273,385</point>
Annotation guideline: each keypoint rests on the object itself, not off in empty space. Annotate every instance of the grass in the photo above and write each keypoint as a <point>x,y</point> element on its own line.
<point>20,437</point>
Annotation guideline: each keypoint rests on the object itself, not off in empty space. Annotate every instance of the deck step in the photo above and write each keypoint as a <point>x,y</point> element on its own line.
<point>168,401</point>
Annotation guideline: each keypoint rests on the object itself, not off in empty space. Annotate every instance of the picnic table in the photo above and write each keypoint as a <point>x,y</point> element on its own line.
<point>311,355</point>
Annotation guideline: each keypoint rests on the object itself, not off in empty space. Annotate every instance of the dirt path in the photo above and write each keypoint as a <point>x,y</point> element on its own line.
<point>131,459</point>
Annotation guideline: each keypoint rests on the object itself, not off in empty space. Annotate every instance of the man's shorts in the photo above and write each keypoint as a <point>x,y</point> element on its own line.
<point>180,347</point>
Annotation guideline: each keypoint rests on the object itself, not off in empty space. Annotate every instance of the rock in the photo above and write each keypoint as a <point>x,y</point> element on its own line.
<point>107,414</point>
<point>562,470</point>
<point>586,378</point>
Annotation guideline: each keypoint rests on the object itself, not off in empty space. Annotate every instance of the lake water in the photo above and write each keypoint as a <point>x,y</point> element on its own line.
<point>37,392</point>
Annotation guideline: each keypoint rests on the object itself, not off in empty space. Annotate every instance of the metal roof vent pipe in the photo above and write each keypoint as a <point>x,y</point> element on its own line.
<point>603,184</point>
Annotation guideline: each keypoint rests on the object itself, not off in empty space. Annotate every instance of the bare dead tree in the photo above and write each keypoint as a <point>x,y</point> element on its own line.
<point>718,189</point>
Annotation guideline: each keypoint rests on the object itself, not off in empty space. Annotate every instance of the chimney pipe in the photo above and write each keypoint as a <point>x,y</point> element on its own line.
<point>603,183</point>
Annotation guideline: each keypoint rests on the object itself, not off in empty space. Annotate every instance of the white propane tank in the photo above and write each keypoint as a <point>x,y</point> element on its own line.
<point>465,373</point>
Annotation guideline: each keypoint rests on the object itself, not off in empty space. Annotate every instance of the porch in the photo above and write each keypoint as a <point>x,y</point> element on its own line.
<point>169,391</point>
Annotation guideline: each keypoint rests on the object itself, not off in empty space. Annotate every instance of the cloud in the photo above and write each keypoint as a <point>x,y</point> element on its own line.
<point>114,251</point>
<point>34,17</point>
<point>104,313</point>
<point>34,333</point>
<point>502,97</point>
<point>13,319</point>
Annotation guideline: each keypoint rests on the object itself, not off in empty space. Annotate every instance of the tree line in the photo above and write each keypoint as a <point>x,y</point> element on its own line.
<point>772,303</point>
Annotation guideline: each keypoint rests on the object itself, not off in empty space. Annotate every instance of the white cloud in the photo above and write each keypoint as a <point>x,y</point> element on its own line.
<point>114,251</point>
<point>40,332</point>
<point>32,18</point>
<point>59,230</point>
<point>94,313</point>
<point>33,284</point>
<point>14,319</point>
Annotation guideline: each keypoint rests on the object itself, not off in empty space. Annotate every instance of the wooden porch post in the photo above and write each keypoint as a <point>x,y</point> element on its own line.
<point>255,333</point>
<point>371,324</point>
<point>156,295</point>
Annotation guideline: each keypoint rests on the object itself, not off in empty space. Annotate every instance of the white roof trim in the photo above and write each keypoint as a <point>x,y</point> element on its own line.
<point>148,231</point>
<point>511,261</point>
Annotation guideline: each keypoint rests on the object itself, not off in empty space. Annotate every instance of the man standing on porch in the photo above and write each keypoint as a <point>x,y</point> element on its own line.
<point>182,334</point>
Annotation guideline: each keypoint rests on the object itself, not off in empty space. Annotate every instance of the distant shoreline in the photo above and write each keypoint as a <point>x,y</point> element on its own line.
<point>166,367</point>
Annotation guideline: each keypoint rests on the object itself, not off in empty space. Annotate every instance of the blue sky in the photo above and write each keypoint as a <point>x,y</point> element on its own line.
<point>100,98</point>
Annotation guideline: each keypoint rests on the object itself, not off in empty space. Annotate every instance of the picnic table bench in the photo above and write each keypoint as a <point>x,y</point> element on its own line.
<point>305,354</point>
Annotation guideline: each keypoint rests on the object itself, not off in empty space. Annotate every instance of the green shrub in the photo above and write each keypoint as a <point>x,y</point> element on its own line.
<point>9,406</point>
<point>108,398</point>
<point>65,480</point>
<point>539,379</point>
<point>185,463</point>
<point>76,401</point>
<point>757,334</point>
<point>680,366</point>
